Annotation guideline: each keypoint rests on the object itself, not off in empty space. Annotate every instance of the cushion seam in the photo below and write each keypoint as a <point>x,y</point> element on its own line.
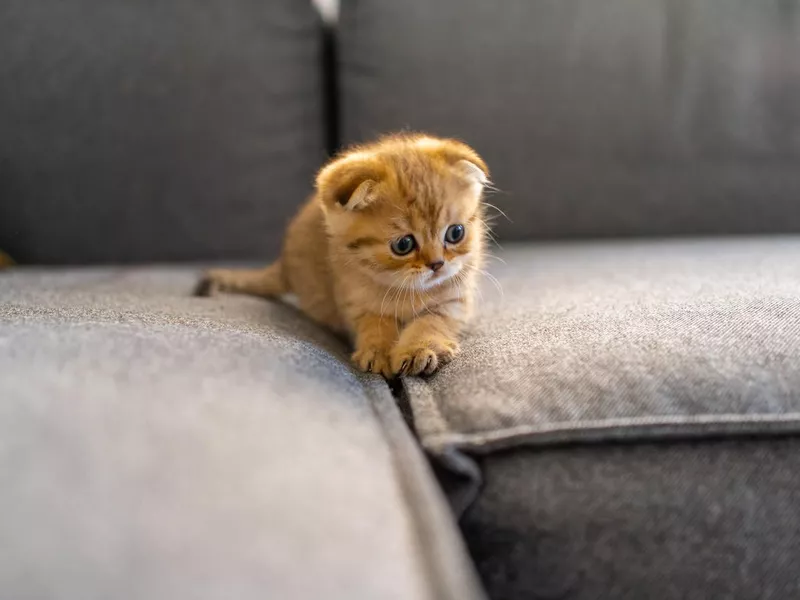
<point>619,429</point>
<point>442,557</point>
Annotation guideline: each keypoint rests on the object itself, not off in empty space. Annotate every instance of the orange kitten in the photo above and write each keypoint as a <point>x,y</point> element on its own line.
<point>388,251</point>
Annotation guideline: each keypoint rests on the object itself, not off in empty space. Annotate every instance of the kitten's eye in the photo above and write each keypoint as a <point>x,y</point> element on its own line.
<point>404,245</point>
<point>454,234</point>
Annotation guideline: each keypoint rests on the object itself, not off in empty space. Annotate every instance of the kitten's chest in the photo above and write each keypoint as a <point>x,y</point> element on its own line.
<point>405,305</point>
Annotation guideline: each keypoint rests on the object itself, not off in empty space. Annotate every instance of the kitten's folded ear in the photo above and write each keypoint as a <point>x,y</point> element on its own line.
<point>467,163</point>
<point>472,173</point>
<point>456,152</point>
<point>349,181</point>
<point>461,157</point>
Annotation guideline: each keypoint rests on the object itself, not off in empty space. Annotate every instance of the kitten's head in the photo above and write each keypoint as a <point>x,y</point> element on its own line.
<point>406,210</point>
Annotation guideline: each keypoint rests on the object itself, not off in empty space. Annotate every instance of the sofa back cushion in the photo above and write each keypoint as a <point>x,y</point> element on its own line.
<point>597,118</point>
<point>155,131</point>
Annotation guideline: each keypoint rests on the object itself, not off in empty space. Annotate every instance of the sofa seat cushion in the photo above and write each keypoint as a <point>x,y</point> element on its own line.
<point>154,445</point>
<point>621,405</point>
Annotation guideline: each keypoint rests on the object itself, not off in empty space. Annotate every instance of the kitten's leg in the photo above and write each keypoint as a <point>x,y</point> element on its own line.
<point>266,283</point>
<point>374,339</point>
<point>426,344</point>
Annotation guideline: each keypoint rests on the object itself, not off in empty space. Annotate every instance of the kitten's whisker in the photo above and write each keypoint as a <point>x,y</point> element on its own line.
<point>487,230</point>
<point>493,240</point>
<point>487,221</point>
<point>487,226</point>
<point>458,280</point>
<point>493,257</point>
<point>410,289</point>
<point>490,187</point>
<point>479,291</point>
<point>396,300</point>
<point>494,280</point>
<point>497,209</point>
<point>391,287</point>
<point>413,288</point>
<point>400,301</point>
<point>423,295</point>
<point>490,277</point>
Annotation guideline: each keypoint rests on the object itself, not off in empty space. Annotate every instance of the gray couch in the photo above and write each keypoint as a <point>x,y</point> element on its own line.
<point>624,420</point>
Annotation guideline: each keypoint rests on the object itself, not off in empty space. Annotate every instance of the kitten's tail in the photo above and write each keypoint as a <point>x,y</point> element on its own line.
<point>272,281</point>
<point>268,282</point>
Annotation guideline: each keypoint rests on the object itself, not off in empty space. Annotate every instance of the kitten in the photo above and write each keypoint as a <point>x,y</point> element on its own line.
<point>387,251</point>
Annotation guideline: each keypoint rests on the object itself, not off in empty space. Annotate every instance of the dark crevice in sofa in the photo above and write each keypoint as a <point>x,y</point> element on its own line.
<point>330,90</point>
<point>458,474</point>
<point>400,395</point>
<point>442,550</point>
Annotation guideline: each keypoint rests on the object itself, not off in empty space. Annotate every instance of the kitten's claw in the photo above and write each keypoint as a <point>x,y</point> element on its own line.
<point>430,366</point>
<point>423,358</point>
<point>372,360</point>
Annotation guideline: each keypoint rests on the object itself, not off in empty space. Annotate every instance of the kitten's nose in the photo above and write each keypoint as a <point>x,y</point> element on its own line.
<point>436,265</point>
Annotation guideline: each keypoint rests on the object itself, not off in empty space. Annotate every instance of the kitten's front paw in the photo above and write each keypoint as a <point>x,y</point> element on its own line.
<point>423,357</point>
<point>373,360</point>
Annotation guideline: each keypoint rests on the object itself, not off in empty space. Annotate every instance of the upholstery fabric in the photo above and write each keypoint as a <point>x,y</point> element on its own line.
<point>684,521</point>
<point>596,118</point>
<point>585,378</point>
<point>156,131</point>
<point>154,445</point>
